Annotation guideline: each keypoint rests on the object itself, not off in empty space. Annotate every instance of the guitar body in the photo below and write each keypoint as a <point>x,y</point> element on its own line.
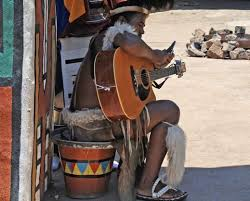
<point>123,84</point>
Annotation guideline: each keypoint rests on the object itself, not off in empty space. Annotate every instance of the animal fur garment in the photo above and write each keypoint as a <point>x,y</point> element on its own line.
<point>85,119</point>
<point>126,179</point>
<point>113,31</point>
<point>176,145</point>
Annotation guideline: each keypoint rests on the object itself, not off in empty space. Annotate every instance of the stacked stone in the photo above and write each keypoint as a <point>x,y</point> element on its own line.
<point>221,44</point>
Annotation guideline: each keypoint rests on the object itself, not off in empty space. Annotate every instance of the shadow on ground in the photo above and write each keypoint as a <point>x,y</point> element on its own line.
<point>212,4</point>
<point>202,184</point>
<point>218,184</point>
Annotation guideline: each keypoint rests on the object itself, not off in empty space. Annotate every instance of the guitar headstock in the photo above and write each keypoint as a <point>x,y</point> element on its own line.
<point>180,68</point>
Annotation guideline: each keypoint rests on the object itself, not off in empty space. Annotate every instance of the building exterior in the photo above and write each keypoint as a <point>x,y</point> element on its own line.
<point>27,65</point>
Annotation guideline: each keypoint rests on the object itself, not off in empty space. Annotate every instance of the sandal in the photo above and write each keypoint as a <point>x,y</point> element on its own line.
<point>156,196</point>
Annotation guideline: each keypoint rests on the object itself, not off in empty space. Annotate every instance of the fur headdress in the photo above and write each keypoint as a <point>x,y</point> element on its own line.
<point>143,6</point>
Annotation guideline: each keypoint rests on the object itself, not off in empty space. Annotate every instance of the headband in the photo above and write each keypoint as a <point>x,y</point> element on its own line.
<point>129,9</point>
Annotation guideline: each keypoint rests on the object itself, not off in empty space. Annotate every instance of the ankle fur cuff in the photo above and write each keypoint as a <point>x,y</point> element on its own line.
<point>176,145</point>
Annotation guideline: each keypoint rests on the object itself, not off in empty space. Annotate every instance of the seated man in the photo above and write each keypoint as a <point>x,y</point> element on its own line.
<point>159,118</point>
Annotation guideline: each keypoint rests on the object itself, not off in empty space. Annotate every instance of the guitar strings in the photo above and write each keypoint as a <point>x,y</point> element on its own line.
<point>152,73</point>
<point>145,75</point>
<point>156,72</point>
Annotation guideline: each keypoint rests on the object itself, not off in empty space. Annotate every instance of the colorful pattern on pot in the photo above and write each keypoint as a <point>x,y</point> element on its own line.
<point>87,168</point>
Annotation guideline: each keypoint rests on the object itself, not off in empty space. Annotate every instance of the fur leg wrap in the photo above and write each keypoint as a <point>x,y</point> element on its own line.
<point>176,145</point>
<point>126,179</point>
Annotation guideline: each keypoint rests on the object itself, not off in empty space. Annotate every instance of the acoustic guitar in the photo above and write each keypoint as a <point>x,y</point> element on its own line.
<point>124,82</point>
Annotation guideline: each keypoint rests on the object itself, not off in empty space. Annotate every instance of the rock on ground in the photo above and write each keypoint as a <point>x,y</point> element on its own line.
<point>215,52</point>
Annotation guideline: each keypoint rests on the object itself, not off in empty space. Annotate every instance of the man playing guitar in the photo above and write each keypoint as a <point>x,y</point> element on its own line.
<point>159,118</point>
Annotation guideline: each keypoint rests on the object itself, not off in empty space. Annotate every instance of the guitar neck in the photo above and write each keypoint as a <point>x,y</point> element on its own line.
<point>162,72</point>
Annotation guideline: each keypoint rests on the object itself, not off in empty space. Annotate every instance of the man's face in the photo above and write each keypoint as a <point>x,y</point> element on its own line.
<point>138,22</point>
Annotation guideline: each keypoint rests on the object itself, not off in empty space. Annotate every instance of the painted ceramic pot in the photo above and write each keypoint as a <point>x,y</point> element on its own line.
<point>87,166</point>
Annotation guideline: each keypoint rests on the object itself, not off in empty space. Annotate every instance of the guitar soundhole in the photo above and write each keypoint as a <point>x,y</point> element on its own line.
<point>140,89</point>
<point>144,78</point>
<point>143,93</point>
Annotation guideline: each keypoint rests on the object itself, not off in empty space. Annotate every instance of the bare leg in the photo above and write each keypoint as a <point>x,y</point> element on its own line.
<point>159,111</point>
<point>155,156</point>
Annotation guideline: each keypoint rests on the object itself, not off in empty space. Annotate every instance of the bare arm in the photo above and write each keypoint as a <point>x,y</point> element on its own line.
<point>134,45</point>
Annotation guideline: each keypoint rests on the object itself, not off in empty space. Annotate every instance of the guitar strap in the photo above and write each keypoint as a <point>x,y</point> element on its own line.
<point>158,86</point>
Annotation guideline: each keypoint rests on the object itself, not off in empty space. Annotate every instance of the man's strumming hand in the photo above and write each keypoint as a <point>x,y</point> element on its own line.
<point>161,58</point>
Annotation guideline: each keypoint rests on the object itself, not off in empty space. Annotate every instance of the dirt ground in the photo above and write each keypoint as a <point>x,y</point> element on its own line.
<point>214,98</point>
